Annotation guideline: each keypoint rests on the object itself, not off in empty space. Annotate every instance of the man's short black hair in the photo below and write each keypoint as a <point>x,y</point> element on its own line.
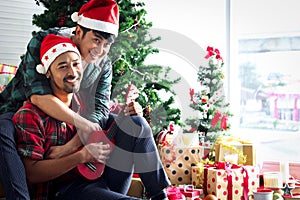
<point>108,36</point>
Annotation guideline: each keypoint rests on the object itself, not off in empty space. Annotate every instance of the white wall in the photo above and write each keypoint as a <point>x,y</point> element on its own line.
<point>201,20</point>
<point>186,29</point>
<point>15,28</point>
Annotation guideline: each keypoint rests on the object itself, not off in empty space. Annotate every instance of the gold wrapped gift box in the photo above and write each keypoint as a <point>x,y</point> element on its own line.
<point>246,150</point>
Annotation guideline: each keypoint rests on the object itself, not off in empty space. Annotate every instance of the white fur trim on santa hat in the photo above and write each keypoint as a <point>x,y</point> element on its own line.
<point>95,24</point>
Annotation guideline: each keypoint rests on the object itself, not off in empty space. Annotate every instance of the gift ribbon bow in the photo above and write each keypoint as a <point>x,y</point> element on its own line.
<point>246,182</point>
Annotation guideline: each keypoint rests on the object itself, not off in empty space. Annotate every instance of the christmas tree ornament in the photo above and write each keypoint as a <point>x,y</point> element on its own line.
<point>287,190</point>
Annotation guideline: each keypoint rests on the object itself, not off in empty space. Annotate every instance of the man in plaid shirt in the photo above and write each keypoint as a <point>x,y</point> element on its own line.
<point>93,37</point>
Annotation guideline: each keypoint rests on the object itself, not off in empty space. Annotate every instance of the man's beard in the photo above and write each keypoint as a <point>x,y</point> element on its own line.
<point>69,88</point>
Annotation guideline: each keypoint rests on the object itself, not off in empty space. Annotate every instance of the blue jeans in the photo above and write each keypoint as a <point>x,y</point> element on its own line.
<point>88,190</point>
<point>12,172</point>
<point>135,151</point>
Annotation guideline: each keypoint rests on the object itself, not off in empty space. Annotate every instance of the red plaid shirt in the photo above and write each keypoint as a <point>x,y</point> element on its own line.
<point>36,133</point>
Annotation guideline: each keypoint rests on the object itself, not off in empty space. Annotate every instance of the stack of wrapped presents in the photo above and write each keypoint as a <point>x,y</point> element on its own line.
<point>233,174</point>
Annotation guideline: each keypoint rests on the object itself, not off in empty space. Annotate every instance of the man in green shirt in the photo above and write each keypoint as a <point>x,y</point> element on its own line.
<point>97,27</point>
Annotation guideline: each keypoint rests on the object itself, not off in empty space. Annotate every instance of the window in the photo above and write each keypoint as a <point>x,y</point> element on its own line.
<point>257,42</point>
<point>264,61</point>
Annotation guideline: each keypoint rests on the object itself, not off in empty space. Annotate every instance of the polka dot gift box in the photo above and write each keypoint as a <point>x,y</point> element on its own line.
<point>178,162</point>
<point>230,182</point>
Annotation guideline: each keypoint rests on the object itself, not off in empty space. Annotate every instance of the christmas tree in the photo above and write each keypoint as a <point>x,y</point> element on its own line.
<point>128,54</point>
<point>209,101</point>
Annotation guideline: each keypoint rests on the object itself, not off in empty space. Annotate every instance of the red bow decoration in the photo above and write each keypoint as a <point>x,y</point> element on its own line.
<point>216,118</point>
<point>223,125</point>
<point>192,92</point>
<point>219,116</point>
<point>211,51</point>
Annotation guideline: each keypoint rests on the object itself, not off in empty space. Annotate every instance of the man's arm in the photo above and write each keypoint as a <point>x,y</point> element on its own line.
<point>95,92</point>
<point>31,138</point>
<point>44,170</point>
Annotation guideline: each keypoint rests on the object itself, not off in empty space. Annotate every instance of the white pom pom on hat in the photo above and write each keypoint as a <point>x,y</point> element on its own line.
<point>41,69</point>
<point>75,17</point>
<point>51,47</point>
<point>100,15</point>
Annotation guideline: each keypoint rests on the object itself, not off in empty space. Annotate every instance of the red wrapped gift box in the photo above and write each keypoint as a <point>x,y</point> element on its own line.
<point>174,193</point>
<point>185,192</point>
<point>190,192</point>
<point>230,182</point>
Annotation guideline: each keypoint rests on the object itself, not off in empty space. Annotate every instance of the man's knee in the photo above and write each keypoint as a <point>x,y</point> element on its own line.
<point>139,120</point>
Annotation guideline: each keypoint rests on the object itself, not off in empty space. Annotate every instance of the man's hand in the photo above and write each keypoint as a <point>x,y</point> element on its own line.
<point>57,152</point>
<point>96,152</point>
<point>85,125</point>
<point>90,127</point>
<point>85,132</point>
<point>133,108</point>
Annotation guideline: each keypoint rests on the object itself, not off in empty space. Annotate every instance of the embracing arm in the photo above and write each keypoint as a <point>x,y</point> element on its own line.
<point>45,170</point>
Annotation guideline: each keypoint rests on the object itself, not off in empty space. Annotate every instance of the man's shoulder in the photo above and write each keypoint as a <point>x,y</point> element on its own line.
<point>30,109</point>
<point>104,65</point>
<point>62,31</point>
<point>106,61</point>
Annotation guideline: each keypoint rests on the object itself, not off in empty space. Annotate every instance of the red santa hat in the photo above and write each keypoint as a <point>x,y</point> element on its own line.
<point>51,47</point>
<point>100,15</point>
